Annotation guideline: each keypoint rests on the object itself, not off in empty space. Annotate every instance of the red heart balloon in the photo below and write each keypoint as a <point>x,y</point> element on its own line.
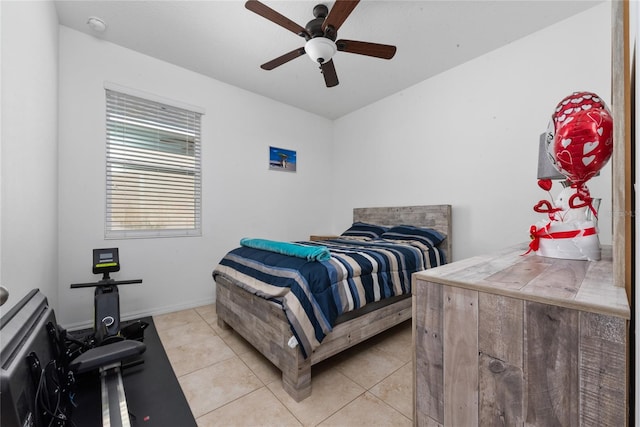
<point>583,139</point>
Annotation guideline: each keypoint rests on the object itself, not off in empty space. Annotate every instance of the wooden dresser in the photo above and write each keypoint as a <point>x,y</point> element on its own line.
<point>507,339</point>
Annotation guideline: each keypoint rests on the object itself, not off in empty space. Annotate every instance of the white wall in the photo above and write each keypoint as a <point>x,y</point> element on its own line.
<point>28,191</point>
<point>241,197</point>
<point>469,137</point>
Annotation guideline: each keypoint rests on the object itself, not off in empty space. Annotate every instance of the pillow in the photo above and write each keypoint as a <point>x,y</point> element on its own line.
<point>362,229</point>
<point>409,232</point>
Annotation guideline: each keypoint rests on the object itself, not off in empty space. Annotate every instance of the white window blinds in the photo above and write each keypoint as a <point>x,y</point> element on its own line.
<point>153,169</point>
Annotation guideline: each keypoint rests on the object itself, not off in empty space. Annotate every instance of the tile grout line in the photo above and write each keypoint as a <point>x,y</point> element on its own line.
<point>265,386</point>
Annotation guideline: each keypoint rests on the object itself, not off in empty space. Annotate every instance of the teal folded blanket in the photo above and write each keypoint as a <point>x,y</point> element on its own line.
<point>310,253</point>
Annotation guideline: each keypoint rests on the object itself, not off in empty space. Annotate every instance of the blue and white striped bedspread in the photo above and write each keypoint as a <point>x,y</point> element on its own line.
<point>314,293</point>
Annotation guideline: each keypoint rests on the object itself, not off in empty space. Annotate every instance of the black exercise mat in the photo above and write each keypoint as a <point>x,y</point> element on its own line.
<point>154,396</point>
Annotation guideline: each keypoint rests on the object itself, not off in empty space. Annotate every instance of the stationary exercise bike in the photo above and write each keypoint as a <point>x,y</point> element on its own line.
<point>109,344</point>
<point>106,324</point>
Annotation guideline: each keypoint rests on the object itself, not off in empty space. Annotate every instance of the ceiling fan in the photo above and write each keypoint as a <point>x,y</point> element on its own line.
<point>320,35</point>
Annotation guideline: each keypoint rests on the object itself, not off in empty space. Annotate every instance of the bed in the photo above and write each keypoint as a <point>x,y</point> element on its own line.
<point>265,319</point>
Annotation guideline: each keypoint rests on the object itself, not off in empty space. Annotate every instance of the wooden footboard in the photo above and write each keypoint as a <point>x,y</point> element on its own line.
<point>264,325</point>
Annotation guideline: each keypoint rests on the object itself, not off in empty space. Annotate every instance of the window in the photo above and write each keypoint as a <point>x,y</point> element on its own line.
<point>153,169</point>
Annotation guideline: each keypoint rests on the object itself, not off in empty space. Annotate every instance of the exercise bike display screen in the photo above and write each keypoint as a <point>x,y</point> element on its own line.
<point>105,260</point>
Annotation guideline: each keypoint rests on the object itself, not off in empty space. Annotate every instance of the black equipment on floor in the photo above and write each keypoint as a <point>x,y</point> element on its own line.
<point>35,385</point>
<point>109,344</point>
<point>106,300</point>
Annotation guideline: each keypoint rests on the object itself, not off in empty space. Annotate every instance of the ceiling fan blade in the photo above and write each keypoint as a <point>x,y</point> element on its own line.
<point>339,13</point>
<point>273,16</point>
<point>329,73</point>
<point>283,59</point>
<point>383,51</point>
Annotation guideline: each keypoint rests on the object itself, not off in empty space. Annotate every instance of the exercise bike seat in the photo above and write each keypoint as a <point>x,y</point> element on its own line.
<point>102,356</point>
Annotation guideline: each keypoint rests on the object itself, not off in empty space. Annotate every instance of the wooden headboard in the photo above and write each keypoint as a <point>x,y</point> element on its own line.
<point>437,217</point>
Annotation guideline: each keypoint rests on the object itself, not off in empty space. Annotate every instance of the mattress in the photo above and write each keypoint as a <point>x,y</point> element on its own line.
<point>313,294</point>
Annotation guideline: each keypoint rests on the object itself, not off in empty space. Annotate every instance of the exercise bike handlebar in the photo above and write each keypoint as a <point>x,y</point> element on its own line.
<point>109,282</point>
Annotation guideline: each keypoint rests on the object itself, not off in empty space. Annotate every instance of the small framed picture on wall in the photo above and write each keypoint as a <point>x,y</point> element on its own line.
<point>281,159</point>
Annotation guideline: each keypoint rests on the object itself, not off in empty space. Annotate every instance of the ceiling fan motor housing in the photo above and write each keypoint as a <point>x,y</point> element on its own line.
<point>314,27</point>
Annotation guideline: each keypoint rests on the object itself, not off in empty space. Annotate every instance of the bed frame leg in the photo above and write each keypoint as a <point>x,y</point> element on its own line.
<point>297,381</point>
<point>223,325</point>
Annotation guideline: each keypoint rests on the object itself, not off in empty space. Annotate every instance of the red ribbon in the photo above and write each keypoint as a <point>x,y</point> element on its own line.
<point>543,233</point>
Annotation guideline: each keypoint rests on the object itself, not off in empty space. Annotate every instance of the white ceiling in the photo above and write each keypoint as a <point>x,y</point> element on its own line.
<point>225,41</point>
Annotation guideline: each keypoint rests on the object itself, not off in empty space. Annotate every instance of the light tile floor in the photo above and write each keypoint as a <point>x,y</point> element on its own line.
<point>228,383</point>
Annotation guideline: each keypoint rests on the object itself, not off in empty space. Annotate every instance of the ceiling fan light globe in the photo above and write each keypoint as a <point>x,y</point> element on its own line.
<point>320,49</point>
